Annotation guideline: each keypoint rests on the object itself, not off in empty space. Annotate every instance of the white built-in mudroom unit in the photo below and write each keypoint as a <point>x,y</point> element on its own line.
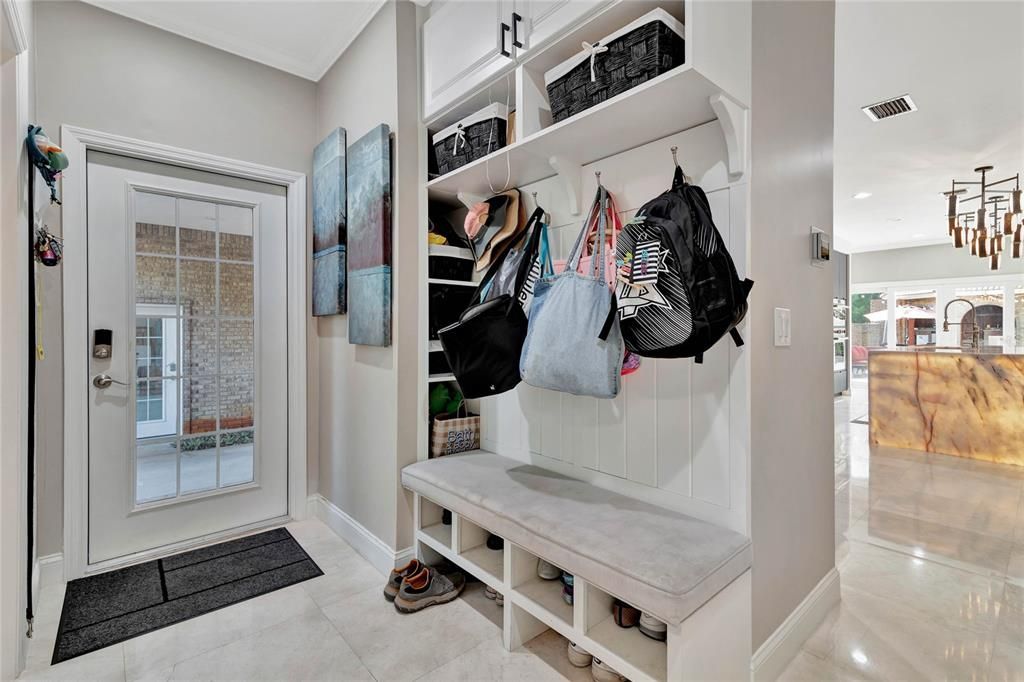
<point>676,437</point>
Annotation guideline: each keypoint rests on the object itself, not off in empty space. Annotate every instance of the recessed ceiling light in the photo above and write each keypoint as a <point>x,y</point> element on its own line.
<point>894,220</point>
<point>919,235</point>
<point>862,195</point>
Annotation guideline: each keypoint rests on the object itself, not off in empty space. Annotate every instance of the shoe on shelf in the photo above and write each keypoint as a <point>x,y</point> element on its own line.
<point>602,672</point>
<point>652,627</point>
<point>494,542</point>
<point>428,588</point>
<point>578,656</point>
<point>567,591</point>
<point>394,583</point>
<point>626,616</point>
<point>548,571</point>
<point>499,599</point>
<point>446,517</point>
<point>490,592</point>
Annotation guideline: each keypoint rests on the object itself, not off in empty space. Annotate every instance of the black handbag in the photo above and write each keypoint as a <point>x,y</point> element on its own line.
<point>484,345</point>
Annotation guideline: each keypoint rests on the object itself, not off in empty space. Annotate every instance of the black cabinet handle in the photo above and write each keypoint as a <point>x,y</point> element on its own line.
<point>516,18</point>
<point>504,29</point>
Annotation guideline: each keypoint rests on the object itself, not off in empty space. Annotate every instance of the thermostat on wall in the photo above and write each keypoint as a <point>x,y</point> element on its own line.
<point>821,246</point>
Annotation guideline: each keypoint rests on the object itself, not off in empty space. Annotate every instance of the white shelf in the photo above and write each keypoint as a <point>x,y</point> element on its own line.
<point>668,104</point>
<point>449,251</point>
<point>546,595</point>
<point>489,562</point>
<point>434,378</point>
<point>440,532</point>
<point>645,654</point>
<point>453,282</point>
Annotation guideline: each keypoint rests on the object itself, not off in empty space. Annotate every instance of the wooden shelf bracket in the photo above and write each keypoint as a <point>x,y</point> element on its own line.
<point>734,121</point>
<point>571,175</point>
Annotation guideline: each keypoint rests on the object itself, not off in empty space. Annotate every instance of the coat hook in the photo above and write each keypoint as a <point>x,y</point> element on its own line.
<point>675,151</point>
<point>597,174</point>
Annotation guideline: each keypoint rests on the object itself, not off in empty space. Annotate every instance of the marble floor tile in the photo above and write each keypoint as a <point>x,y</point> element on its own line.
<point>984,517</point>
<point>954,547</point>
<point>1015,570</point>
<point>879,639</point>
<point>473,596</point>
<point>160,649</point>
<point>806,667</point>
<point>541,660</point>
<point>103,666</point>
<point>429,639</point>
<point>345,576</point>
<point>303,648</point>
<point>948,596</point>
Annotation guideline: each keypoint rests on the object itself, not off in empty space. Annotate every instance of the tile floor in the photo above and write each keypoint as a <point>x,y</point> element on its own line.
<point>930,551</point>
<point>335,627</point>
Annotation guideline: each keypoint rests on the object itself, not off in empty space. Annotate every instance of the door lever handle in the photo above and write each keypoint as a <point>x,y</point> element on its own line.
<point>104,381</point>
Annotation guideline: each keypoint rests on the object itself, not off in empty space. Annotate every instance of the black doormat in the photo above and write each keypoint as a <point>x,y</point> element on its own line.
<point>108,608</point>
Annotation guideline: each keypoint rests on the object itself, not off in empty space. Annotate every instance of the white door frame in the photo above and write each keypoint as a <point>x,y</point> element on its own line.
<point>76,142</point>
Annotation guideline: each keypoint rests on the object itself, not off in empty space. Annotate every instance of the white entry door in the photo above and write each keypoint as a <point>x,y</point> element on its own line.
<point>187,415</point>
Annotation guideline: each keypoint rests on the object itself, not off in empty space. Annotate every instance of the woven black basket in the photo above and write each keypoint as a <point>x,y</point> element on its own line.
<point>482,138</point>
<point>632,59</point>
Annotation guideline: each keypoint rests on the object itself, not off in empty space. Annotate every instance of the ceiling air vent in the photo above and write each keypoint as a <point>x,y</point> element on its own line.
<point>896,106</point>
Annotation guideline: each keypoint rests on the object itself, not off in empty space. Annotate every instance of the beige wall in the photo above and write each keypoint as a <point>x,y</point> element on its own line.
<point>792,499</point>
<point>933,262</point>
<point>364,392</point>
<point>16,111</point>
<point>120,76</point>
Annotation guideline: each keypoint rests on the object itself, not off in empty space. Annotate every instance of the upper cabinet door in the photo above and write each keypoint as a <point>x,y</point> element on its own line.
<point>465,43</point>
<point>543,20</point>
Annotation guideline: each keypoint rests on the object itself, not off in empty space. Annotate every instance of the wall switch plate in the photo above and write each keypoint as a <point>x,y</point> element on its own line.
<point>783,327</point>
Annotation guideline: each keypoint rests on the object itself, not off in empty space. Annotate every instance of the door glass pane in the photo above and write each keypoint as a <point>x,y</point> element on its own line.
<point>154,224</point>
<point>980,326</point>
<point>915,318</point>
<point>155,280</point>
<point>236,233</point>
<point>236,297</point>
<point>197,222</point>
<point>236,346</point>
<point>236,401</point>
<point>198,464</point>
<point>199,405</point>
<point>199,287</point>
<point>199,346</point>
<point>236,458</point>
<point>194,317</point>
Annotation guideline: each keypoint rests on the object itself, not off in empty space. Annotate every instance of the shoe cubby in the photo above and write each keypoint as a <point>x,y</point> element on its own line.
<point>543,598</point>
<point>471,546</point>
<point>628,647</point>
<point>431,524</point>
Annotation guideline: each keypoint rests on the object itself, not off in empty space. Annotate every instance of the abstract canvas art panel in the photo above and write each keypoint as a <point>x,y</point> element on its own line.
<point>330,225</point>
<point>369,240</point>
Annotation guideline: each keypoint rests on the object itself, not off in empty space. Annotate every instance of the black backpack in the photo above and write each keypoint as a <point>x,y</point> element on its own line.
<point>685,294</point>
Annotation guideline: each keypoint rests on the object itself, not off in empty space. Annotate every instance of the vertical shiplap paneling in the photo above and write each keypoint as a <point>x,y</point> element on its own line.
<point>552,423</point>
<point>533,422</point>
<point>580,438</point>
<point>611,435</point>
<point>711,407</point>
<point>673,424</point>
<point>642,424</point>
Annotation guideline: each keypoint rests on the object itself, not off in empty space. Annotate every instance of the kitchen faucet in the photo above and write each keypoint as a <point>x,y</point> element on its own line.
<point>974,324</point>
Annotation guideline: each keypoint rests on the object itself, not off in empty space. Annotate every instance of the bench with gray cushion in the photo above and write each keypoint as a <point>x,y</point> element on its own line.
<point>660,561</point>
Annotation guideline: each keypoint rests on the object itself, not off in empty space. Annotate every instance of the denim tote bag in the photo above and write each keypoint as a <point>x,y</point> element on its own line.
<point>573,343</point>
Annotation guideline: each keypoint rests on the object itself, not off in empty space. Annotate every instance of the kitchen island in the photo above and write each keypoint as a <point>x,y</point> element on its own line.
<point>964,403</point>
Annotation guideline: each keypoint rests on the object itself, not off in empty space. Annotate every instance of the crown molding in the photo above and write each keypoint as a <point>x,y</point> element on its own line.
<point>15,27</point>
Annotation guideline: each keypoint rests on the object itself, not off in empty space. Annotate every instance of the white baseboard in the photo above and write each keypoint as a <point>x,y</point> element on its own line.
<point>774,655</point>
<point>371,547</point>
<point>51,569</point>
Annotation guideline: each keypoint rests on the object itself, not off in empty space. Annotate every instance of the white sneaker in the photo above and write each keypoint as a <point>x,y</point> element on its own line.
<point>578,656</point>
<point>490,592</point>
<point>652,627</point>
<point>548,571</point>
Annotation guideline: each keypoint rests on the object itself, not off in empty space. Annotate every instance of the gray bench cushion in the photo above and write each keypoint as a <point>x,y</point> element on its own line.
<point>661,561</point>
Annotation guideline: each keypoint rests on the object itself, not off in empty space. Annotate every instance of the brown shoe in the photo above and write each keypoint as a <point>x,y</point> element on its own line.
<point>394,583</point>
<point>427,588</point>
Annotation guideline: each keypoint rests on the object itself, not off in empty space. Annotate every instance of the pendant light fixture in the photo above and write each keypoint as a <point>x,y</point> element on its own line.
<point>997,200</point>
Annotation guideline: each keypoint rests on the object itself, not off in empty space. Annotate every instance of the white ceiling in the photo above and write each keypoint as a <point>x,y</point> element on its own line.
<point>962,62</point>
<point>302,37</point>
